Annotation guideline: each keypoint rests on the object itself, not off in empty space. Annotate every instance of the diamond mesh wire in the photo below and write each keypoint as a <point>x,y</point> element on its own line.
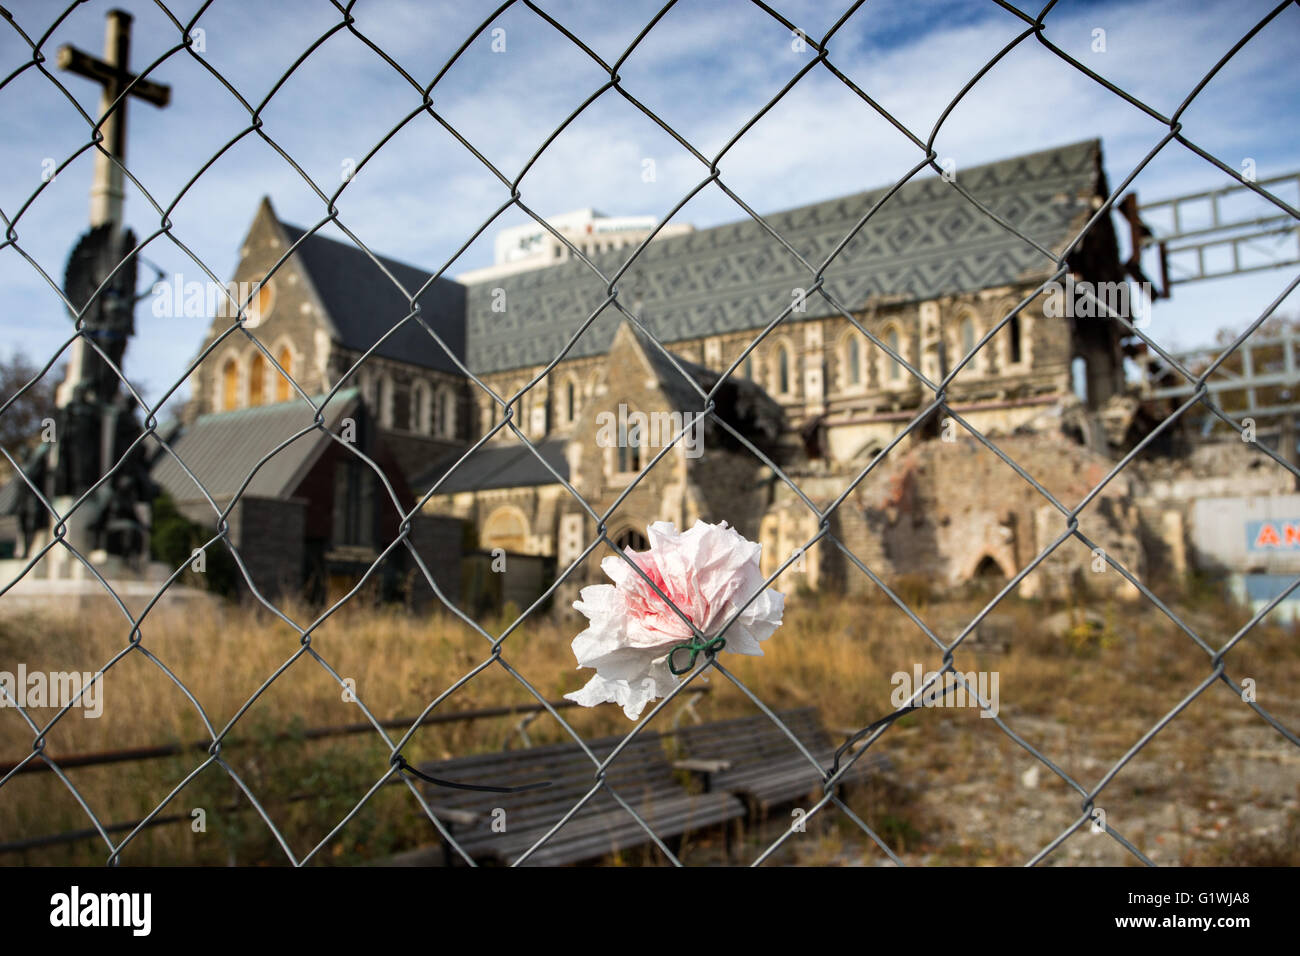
<point>512,197</point>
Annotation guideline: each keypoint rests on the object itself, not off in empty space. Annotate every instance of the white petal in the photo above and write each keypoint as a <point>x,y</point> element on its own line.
<point>651,682</point>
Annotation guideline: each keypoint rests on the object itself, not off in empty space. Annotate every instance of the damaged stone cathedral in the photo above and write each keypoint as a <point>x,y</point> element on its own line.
<point>929,275</point>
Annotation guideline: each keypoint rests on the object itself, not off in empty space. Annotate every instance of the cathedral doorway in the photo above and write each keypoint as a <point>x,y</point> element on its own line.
<point>631,539</point>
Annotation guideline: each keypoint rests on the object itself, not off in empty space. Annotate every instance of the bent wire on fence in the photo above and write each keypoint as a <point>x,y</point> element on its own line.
<point>1032,32</point>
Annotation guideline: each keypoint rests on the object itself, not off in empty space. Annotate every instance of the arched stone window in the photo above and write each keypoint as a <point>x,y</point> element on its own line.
<point>260,308</point>
<point>446,415</point>
<point>366,383</point>
<point>1079,378</point>
<point>283,388</point>
<point>1015,348</point>
<point>782,369</point>
<point>230,385</point>
<point>570,401</point>
<point>385,401</point>
<point>892,368</point>
<point>630,439</point>
<point>421,408</point>
<point>523,407</point>
<point>966,332</point>
<point>256,379</point>
<point>851,351</point>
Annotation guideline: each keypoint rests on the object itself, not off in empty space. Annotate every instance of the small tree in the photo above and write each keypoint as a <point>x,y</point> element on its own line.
<point>20,422</point>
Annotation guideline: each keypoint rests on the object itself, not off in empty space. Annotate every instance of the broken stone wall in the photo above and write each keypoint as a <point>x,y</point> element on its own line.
<point>952,511</point>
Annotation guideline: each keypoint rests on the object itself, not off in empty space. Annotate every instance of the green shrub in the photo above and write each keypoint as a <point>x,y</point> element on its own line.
<point>173,539</point>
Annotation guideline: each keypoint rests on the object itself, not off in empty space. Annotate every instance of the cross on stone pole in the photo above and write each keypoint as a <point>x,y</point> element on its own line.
<point>107,191</point>
<point>112,73</point>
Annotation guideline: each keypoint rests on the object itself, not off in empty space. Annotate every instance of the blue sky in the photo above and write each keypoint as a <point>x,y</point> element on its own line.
<point>706,68</point>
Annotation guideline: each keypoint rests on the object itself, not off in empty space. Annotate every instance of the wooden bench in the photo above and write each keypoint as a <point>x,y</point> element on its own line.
<point>641,774</point>
<point>754,759</point>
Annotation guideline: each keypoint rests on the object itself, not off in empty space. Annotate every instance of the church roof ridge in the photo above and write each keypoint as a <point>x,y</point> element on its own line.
<point>928,240</point>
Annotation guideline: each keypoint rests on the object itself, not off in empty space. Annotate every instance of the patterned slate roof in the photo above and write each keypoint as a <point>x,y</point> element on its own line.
<point>224,447</point>
<point>926,241</point>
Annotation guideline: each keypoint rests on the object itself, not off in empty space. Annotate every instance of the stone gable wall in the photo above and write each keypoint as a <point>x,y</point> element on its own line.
<point>293,318</point>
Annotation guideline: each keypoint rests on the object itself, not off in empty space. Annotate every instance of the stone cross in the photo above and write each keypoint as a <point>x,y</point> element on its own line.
<point>113,75</point>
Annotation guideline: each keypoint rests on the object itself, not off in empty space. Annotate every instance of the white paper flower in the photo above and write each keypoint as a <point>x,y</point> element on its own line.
<point>708,572</point>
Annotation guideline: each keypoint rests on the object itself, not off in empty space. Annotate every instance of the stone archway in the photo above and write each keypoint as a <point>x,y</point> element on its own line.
<point>631,538</point>
<point>506,528</point>
<point>988,569</point>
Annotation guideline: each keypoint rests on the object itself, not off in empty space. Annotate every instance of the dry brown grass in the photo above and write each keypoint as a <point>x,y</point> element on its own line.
<point>957,794</point>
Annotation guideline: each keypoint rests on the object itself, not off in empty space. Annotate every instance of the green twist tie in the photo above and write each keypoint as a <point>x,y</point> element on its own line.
<point>710,646</point>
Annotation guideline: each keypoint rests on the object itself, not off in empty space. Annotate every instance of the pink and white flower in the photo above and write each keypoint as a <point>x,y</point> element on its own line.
<point>708,572</point>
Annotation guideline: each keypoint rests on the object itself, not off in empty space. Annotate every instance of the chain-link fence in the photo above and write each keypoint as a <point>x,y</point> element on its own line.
<point>701,649</point>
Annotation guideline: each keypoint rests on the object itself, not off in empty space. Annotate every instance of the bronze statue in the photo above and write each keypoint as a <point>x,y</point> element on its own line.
<point>103,258</point>
<point>97,423</point>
